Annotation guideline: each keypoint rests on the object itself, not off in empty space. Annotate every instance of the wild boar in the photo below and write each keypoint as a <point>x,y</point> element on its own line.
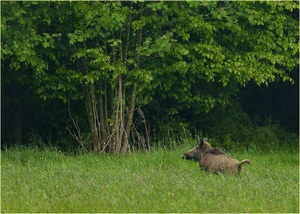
<point>214,159</point>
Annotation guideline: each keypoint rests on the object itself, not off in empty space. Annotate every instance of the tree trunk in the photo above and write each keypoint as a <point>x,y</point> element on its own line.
<point>105,130</point>
<point>120,122</point>
<point>91,112</point>
<point>18,124</point>
<point>125,146</point>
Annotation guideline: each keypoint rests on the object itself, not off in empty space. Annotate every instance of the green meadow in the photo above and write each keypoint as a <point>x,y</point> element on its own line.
<point>159,181</point>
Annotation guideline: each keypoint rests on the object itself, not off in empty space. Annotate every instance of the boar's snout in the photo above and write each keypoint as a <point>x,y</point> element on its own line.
<point>190,156</point>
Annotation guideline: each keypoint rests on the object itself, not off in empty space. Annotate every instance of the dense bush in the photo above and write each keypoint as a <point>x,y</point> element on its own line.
<point>236,130</point>
<point>230,129</point>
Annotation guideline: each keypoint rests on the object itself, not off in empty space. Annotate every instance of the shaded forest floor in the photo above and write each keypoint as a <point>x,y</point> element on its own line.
<point>159,181</point>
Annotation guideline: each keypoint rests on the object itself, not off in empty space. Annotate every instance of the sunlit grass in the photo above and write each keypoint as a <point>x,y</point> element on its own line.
<point>160,181</point>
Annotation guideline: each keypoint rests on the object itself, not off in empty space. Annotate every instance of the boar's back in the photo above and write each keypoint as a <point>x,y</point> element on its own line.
<point>215,151</point>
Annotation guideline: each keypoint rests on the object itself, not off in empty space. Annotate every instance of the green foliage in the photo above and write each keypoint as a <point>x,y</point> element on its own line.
<point>49,181</point>
<point>172,133</point>
<point>229,43</point>
<point>225,51</point>
<point>195,55</point>
<point>236,130</point>
<point>36,141</point>
<point>230,129</point>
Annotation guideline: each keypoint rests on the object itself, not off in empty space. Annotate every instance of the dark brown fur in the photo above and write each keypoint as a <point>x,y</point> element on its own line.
<point>214,159</point>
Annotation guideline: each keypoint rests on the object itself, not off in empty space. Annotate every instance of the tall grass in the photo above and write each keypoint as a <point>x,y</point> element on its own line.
<point>159,181</point>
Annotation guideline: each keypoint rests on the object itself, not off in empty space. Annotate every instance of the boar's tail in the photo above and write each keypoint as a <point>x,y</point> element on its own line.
<point>241,163</point>
<point>244,161</point>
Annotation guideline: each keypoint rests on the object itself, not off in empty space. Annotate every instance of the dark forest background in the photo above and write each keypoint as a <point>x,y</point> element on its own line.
<point>162,72</point>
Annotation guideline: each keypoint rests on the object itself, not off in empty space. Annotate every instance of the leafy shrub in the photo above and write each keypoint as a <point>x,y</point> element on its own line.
<point>236,130</point>
<point>36,140</point>
<point>171,133</point>
<point>266,138</point>
<point>272,136</point>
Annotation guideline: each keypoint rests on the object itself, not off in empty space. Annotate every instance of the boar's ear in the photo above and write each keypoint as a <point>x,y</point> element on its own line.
<point>202,142</point>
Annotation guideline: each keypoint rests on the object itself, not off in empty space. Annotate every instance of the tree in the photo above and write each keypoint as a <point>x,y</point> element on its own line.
<point>114,56</point>
<point>221,46</point>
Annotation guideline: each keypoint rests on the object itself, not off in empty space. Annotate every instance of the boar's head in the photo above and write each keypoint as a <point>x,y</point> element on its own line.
<point>195,153</point>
